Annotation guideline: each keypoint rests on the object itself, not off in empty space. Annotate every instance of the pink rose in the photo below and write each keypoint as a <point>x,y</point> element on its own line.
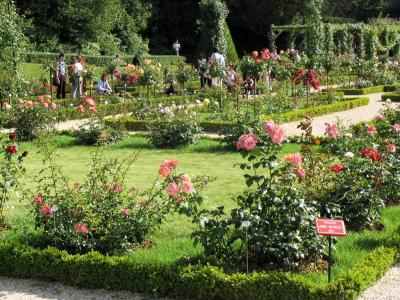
<point>117,188</point>
<point>187,187</point>
<point>172,189</point>
<point>44,104</point>
<point>169,164</point>
<point>254,54</point>
<point>295,159</point>
<point>185,177</point>
<point>45,210</point>
<point>247,141</point>
<point>331,130</point>
<point>125,212</point>
<point>80,108</point>
<point>301,172</point>
<point>391,148</point>
<point>38,199</point>
<point>41,98</point>
<point>81,228</point>
<point>274,131</point>
<point>92,109</point>
<point>89,102</point>
<point>396,128</point>
<point>371,130</point>
<point>53,106</point>
<point>379,117</point>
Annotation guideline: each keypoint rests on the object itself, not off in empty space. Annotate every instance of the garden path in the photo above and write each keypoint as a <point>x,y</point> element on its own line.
<point>347,118</point>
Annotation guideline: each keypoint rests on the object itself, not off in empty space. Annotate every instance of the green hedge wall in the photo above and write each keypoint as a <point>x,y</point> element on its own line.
<point>395,97</point>
<point>101,60</point>
<point>363,91</point>
<point>94,270</point>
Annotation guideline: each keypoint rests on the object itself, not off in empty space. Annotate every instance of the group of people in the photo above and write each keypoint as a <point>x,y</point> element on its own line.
<point>60,78</point>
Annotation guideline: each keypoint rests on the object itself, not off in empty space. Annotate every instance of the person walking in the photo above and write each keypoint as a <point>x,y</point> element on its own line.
<point>177,47</point>
<point>61,77</point>
<point>77,69</point>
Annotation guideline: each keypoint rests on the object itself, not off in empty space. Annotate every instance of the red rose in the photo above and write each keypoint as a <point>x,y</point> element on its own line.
<point>12,135</point>
<point>337,168</point>
<point>371,153</point>
<point>12,149</point>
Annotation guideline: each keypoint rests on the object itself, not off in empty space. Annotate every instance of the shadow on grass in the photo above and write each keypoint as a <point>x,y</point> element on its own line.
<point>369,243</point>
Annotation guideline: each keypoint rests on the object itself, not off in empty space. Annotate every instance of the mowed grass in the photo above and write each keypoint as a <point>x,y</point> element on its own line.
<point>35,71</point>
<point>172,239</point>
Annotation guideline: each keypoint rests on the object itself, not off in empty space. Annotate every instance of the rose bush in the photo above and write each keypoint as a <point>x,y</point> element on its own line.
<point>102,213</point>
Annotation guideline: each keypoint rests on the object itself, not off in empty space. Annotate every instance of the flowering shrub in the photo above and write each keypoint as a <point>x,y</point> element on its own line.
<point>102,213</point>
<point>96,130</point>
<point>174,126</point>
<point>10,170</point>
<point>30,118</point>
<point>274,220</point>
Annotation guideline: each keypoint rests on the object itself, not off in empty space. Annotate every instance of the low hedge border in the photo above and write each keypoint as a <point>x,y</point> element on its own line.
<point>395,97</point>
<point>370,90</point>
<point>94,270</point>
<point>132,124</point>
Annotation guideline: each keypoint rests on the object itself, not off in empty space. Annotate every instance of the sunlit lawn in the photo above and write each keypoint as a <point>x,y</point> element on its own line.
<point>208,157</point>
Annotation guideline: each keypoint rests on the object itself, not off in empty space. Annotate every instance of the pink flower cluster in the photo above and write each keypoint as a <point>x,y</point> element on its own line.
<point>90,103</point>
<point>331,130</point>
<point>81,228</point>
<point>185,186</point>
<point>274,131</point>
<point>295,160</point>
<point>247,141</point>
<point>396,128</point>
<point>116,187</point>
<point>45,101</point>
<point>371,130</point>
<point>166,166</point>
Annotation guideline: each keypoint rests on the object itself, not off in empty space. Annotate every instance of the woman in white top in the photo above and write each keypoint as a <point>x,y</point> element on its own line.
<point>77,69</point>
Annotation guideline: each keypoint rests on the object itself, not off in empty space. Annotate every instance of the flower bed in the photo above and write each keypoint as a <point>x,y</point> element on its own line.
<point>132,124</point>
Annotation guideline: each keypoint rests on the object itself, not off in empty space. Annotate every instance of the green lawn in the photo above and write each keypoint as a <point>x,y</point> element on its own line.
<point>173,238</point>
<point>35,71</point>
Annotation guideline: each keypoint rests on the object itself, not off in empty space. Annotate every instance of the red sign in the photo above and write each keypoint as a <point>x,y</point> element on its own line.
<point>330,227</point>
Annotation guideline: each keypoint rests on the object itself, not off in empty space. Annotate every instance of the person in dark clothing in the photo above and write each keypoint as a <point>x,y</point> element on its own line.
<point>136,60</point>
<point>61,77</point>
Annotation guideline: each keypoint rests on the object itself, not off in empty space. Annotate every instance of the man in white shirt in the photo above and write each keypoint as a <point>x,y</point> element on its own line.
<point>219,58</point>
<point>176,46</point>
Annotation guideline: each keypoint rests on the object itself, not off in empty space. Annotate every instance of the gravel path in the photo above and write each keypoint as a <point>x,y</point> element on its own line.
<point>387,288</point>
<point>24,289</point>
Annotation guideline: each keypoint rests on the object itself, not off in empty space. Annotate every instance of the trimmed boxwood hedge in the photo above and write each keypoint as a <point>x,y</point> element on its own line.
<point>370,90</point>
<point>132,124</point>
<point>395,97</point>
<point>94,270</point>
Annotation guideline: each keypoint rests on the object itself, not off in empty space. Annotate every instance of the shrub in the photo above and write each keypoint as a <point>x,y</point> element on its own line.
<point>174,127</point>
<point>273,221</point>
<point>10,170</point>
<point>31,118</point>
<point>102,213</point>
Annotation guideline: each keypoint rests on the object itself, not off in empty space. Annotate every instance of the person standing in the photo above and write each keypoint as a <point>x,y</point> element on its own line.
<point>83,63</point>
<point>61,77</point>
<point>177,47</point>
<point>218,57</point>
<point>77,69</point>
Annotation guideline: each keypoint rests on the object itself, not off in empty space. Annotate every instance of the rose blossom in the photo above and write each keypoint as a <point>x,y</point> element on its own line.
<point>12,135</point>
<point>172,189</point>
<point>164,172</point>
<point>391,148</point>
<point>38,199</point>
<point>12,149</point>
<point>41,98</point>
<point>396,128</point>
<point>179,200</point>
<point>274,131</point>
<point>331,130</point>
<point>108,186</point>
<point>294,159</point>
<point>337,168</point>
<point>254,54</point>
<point>53,106</point>
<point>45,104</point>
<point>45,210</point>
<point>301,172</point>
<point>379,117</point>
<point>92,109</point>
<point>125,212</point>
<point>187,187</point>
<point>349,155</point>
<point>169,164</point>
<point>247,141</point>
<point>79,108</point>
<point>371,130</point>
<point>371,153</point>
<point>89,102</point>
<point>117,188</point>
<point>81,228</point>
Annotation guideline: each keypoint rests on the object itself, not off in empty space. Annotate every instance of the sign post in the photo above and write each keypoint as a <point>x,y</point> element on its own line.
<point>330,227</point>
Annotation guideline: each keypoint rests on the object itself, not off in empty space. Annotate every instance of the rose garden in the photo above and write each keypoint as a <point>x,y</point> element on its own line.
<point>170,188</point>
